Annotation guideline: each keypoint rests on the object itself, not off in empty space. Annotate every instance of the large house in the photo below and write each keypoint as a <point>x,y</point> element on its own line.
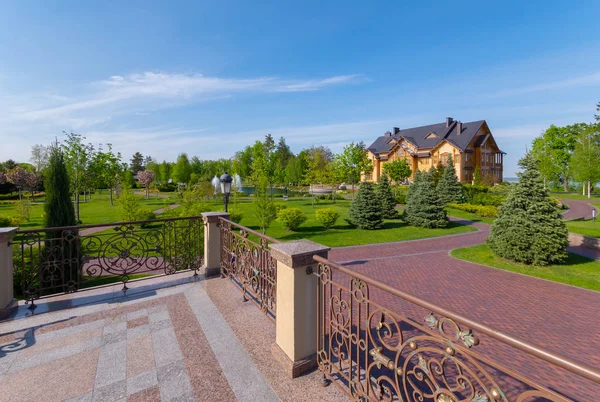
<point>470,145</point>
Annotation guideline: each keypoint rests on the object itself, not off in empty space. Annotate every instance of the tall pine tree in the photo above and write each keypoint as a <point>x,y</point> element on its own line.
<point>365,211</point>
<point>423,206</point>
<point>58,207</point>
<point>529,228</point>
<point>388,202</point>
<point>449,189</point>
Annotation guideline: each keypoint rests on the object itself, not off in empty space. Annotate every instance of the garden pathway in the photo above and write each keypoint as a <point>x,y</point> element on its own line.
<point>578,209</point>
<point>548,314</point>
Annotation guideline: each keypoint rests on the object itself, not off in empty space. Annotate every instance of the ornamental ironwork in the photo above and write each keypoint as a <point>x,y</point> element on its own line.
<point>375,354</point>
<point>68,259</point>
<point>246,260</point>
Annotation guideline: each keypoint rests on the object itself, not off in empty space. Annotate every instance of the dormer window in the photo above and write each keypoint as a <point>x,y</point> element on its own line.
<point>431,136</point>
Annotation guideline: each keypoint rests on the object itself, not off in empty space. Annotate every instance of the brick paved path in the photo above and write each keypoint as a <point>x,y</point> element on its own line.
<point>557,317</point>
<point>578,209</point>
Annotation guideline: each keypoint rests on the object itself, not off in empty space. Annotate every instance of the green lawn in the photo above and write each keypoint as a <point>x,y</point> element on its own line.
<point>342,234</point>
<point>96,211</point>
<point>457,213</point>
<point>576,271</point>
<point>586,228</point>
<point>573,196</point>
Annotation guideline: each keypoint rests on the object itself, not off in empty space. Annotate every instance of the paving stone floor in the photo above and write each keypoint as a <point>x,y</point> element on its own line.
<point>172,344</point>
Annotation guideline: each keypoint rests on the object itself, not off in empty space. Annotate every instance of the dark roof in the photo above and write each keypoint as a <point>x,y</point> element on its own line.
<point>416,135</point>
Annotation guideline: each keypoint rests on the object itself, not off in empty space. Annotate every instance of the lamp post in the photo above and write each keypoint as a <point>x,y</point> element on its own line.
<point>226,181</point>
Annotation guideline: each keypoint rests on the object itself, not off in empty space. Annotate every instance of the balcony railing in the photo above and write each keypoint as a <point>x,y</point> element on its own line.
<point>68,259</point>
<point>375,353</point>
<point>246,260</point>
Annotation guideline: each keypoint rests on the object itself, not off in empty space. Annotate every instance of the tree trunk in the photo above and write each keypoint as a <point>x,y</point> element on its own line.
<point>583,188</point>
<point>566,185</point>
<point>589,189</point>
<point>111,197</point>
<point>77,206</point>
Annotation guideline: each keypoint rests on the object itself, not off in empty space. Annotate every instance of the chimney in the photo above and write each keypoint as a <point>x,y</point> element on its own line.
<point>388,134</point>
<point>459,127</point>
<point>396,130</point>
<point>449,121</point>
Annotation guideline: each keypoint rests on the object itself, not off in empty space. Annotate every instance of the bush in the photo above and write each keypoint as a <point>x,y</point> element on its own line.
<point>145,214</point>
<point>5,221</point>
<point>235,216</point>
<point>470,190</point>
<point>423,206</point>
<point>388,202</point>
<point>23,209</point>
<point>167,187</point>
<point>485,211</point>
<point>327,217</point>
<point>129,206</point>
<point>291,218</point>
<point>365,211</point>
<point>494,200</point>
<point>279,207</point>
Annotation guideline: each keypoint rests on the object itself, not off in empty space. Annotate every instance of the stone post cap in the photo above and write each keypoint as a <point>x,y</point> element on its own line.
<point>212,217</point>
<point>299,253</point>
<point>7,233</point>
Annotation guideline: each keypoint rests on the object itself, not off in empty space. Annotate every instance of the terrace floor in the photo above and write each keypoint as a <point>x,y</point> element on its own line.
<point>192,341</point>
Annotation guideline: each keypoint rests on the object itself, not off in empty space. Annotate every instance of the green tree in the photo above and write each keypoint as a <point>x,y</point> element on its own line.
<point>366,210</point>
<point>585,161</point>
<point>529,228</point>
<point>477,176</point>
<point>39,156</point>
<point>437,172</point>
<point>296,169</point>
<point>398,170</point>
<point>137,163</point>
<point>59,212</point>
<point>108,168</point>
<point>165,171</point>
<point>318,160</point>
<point>388,201</point>
<point>449,188</point>
<point>78,157</point>
<point>351,163</point>
<point>282,157</point>
<point>182,170</point>
<point>242,162</point>
<point>423,206</point>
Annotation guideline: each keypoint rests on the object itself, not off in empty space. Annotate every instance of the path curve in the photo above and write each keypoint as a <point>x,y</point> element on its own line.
<point>578,209</point>
<point>546,313</point>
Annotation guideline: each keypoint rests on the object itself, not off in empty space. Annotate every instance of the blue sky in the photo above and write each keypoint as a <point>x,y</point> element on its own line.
<point>208,78</point>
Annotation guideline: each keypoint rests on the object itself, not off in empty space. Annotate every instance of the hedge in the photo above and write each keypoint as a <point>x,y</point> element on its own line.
<point>485,211</point>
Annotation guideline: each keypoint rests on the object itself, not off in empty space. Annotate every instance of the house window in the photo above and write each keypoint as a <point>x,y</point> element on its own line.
<point>466,157</point>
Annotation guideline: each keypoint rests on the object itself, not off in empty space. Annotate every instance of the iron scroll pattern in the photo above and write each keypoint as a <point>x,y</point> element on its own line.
<point>374,354</point>
<point>249,264</point>
<point>65,260</point>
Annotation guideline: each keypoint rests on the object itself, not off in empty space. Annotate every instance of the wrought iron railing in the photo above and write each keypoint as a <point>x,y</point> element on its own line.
<point>68,259</point>
<point>246,260</point>
<point>375,353</point>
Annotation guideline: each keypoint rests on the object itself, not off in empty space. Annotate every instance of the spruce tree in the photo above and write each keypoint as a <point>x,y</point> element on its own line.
<point>529,228</point>
<point>388,202</point>
<point>423,206</point>
<point>449,188</point>
<point>366,209</point>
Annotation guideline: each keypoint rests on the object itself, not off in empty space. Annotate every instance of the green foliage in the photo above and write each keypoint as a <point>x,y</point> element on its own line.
<point>128,180</point>
<point>23,209</point>
<point>58,207</point>
<point>5,221</point>
<point>437,172</point>
<point>265,211</point>
<point>477,176</point>
<point>352,162</point>
<point>494,200</point>
<point>585,161</point>
<point>193,202</point>
<point>137,163</point>
<point>327,217</point>
<point>183,170</point>
<point>366,209</point>
<point>485,211</point>
<point>470,191</point>
<point>398,170</point>
<point>529,228</point>
<point>449,188</point>
<point>388,202</point>
<point>291,218</point>
<point>145,214</point>
<point>129,205</point>
<point>423,206</point>
<point>235,216</point>
<point>279,206</point>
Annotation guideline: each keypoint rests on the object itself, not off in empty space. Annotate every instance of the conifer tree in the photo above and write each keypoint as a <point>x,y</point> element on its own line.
<point>388,202</point>
<point>449,188</point>
<point>529,228</point>
<point>423,206</point>
<point>58,207</point>
<point>366,210</point>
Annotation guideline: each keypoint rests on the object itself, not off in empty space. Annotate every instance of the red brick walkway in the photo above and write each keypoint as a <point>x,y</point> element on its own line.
<point>554,316</point>
<point>578,209</point>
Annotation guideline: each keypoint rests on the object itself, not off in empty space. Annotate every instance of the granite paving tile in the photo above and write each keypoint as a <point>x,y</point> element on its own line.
<point>141,382</point>
<point>112,392</point>
<point>173,380</point>
<point>147,395</point>
<point>165,346</point>
<point>140,356</point>
<point>136,322</point>
<point>138,331</point>
<point>112,365</point>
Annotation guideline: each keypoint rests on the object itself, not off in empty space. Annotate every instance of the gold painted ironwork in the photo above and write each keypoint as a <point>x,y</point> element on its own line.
<point>246,260</point>
<point>375,353</point>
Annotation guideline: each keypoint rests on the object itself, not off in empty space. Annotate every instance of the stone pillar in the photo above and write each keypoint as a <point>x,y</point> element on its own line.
<point>212,242</point>
<point>7,300</point>
<point>296,314</point>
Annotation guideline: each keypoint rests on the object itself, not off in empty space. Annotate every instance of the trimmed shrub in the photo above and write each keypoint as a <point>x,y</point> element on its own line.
<point>5,221</point>
<point>449,188</point>
<point>494,200</point>
<point>388,202</point>
<point>235,216</point>
<point>529,228</point>
<point>291,218</point>
<point>365,211</point>
<point>485,211</point>
<point>327,216</point>
<point>145,214</point>
<point>279,207</point>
